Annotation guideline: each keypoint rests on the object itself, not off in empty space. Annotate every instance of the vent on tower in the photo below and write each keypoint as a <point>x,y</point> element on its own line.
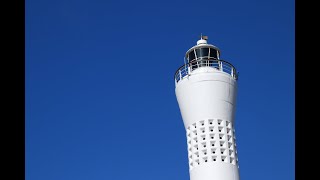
<point>204,144</point>
<point>229,131</point>
<point>220,128</point>
<point>212,136</point>
<point>197,161</point>
<point>196,147</point>
<point>205,147</point>
<point>231,160</point>
<point>203,137</point>
<point>214,158</point>
<point>202,130</point>
<point>222,143</point>
<point>194,132</point>
<point>195,139</point>
<point>213,151</point>
<point>228,124</point>
<point>221,136</point>
<point>222,150</point>
<point>204,152</point>
<point>205,159</point>
<point>194,125</point>
<point>212,143</point>
<point>196,154</point>
<point>230,152</point>
<point>223,158</point>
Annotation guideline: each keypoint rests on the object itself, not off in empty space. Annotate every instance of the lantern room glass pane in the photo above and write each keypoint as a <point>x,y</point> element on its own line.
<point>213,53</point>
<point>191,56</point>
<point>204,52</point>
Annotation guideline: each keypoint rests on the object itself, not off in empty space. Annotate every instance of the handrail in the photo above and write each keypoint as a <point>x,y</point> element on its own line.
<point>221,65</point>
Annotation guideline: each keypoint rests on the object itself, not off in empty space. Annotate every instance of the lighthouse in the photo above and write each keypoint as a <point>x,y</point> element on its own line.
<point>206,89</point>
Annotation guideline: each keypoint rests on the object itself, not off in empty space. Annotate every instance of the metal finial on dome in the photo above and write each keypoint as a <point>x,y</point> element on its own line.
<point>203,39</point>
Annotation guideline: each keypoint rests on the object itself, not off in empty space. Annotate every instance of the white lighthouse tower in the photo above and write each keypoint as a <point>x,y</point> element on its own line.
<point>206,89</point>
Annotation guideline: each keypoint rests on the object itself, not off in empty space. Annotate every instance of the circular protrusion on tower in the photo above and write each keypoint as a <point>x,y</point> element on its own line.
<point>202,41</point>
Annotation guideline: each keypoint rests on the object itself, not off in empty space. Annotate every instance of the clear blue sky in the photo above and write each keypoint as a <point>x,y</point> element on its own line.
<point>100,100</point>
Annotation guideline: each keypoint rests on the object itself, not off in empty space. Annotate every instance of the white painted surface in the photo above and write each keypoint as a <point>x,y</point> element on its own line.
<point>206,94</point>
<point>206,99</point>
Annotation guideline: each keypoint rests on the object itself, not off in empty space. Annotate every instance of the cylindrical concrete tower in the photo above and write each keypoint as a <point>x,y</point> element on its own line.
<point>206,92</point>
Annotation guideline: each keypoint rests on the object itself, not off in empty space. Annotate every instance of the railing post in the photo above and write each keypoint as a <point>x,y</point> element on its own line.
<point>232,73</point>
<point>180,74</point>
<point>220,66</point>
